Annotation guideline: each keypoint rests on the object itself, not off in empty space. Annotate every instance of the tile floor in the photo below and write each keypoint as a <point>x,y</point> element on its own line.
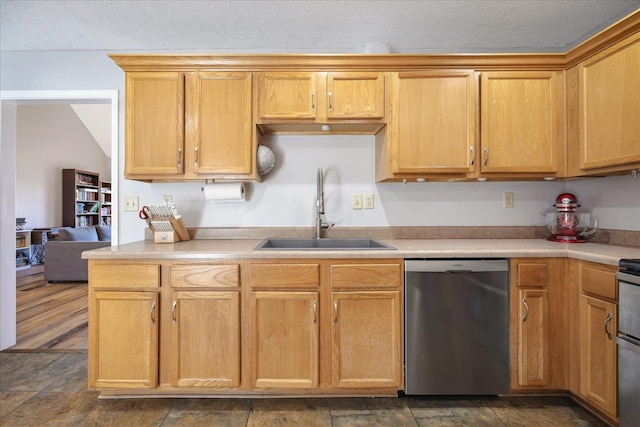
<point>50,389</point>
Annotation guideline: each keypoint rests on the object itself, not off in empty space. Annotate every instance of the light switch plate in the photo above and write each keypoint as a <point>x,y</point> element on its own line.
<point>357,201</point>
<point>368,201</point>
<point>507,200</point>
<point>131,204</point>
<point>168,198</point>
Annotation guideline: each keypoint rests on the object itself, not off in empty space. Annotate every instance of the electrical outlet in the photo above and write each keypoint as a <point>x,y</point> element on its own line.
<point>507,200</point>
<point>167,198</point>
<point>368,201</point>
<point>131,204</point>
<point>357,201</point>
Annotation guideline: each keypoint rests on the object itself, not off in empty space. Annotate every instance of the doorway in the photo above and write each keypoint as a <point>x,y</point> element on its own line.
<point>9,100</point>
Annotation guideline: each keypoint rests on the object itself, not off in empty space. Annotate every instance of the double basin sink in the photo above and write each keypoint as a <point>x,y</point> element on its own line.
<point>322,244</point>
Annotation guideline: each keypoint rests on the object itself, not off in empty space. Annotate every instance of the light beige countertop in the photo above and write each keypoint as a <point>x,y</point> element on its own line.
<point>405,248</point>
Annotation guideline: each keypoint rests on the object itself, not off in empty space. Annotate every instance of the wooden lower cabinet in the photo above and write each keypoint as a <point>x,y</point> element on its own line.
<point>533,333</point>
<point>192,327</point>
<point>123,340</point>
<point>598,355</point>
<point>366,341</point>
<point>537,347</point>
<point>285,339</point>
<point>205,339</point>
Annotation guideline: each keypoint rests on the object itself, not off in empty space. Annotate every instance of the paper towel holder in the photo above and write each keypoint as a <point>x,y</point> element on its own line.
<point>229,194</point>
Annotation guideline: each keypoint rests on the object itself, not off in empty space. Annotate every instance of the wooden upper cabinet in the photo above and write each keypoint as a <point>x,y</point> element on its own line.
<point>222,140</point>
<point>190,125</point>
<point>290,96</point>
<point>154,132</point>
<point>355,95</point>
<point>519,122</point>
<point>609,106</point>
<point>432,124</point>
<point>320,97</point>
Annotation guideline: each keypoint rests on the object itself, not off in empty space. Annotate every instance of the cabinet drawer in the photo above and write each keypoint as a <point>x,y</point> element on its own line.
<point>285,275</point>
<point>365,275</point>
<point>205,275</point>
<point>110,275</point>
<point>599,280</point>
<point>533,274</point>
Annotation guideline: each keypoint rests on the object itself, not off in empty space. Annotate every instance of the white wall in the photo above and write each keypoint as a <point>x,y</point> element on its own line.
<point>8,115</point>
<point>51,138</point>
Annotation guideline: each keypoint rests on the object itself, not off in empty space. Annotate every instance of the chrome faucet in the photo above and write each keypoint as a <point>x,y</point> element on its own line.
<point>320,225</point>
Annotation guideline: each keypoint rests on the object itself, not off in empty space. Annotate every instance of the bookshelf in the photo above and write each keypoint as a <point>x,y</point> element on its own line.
<point>80,198</point>
<point>23,249</point>
<point>105,203</point>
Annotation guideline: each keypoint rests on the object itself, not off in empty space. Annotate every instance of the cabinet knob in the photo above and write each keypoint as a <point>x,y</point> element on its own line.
<point>526,307</point>
<point>486,156</point>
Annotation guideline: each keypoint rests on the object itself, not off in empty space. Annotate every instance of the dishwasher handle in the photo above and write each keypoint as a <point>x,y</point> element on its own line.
<point>455,265</point>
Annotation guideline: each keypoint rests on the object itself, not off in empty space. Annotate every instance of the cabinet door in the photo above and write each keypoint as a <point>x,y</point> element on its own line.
<point>533,337</point>
<point>123,339</point>
<point>154,140</point>
<point>205,334</point>
<point>519,122</point>
<point>355,95</point>
<point>367,342</point>
<point>222,141</point>
<point>433,122</point>
<point>287,96</point>
<point>609,106</point>
<point>598,357</point>
<point>285,339</point>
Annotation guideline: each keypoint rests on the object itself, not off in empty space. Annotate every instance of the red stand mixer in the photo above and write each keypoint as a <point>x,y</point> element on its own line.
<point>565,227</point>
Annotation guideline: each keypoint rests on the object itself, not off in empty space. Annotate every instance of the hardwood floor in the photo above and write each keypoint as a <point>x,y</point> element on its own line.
<point>50,316</point>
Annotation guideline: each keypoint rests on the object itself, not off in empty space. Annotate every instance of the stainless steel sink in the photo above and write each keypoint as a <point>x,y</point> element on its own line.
<point>322,244</point>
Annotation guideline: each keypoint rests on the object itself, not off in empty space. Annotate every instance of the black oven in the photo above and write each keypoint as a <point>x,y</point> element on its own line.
<point>628,341</point>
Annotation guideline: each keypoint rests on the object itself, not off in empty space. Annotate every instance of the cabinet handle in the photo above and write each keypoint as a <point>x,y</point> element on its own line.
<point>315,312</point>
<point>526,313</point>
<point>173,310</point>
<point>335,311</point>
<point>179,157</point>
<point>153,311</point>
<point>606,323</point>
<point>473,155</point>
<point>313,101</point>
<point>486,156</point>
<point>330,101</point>
<point>196,157</point>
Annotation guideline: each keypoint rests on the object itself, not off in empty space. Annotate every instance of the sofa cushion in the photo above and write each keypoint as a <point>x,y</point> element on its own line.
<point>80,234</point>
<point>104,233</point>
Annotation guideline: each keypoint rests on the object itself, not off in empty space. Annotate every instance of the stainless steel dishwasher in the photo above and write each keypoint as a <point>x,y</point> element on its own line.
<point>457,327</point>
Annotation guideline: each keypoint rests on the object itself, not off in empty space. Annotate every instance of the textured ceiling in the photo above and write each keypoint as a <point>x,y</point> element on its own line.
<point>305,25</point>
